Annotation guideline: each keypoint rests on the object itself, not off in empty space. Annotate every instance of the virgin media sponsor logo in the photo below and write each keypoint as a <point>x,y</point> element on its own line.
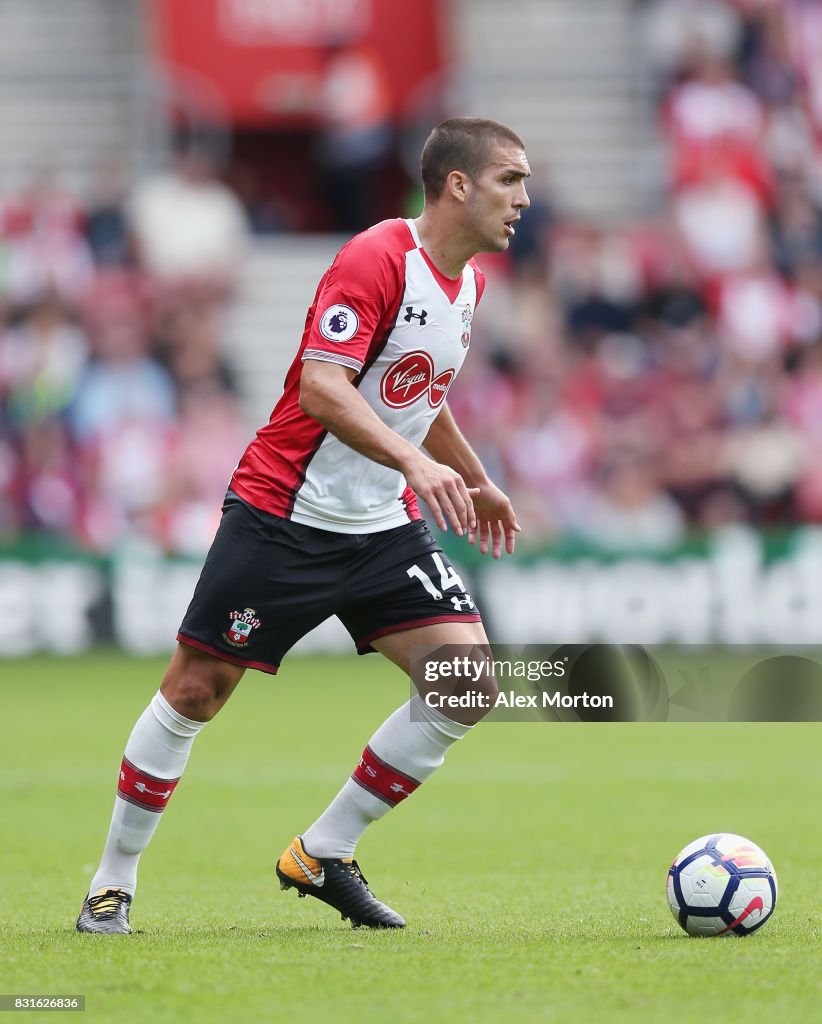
<point>439,388</point>
<point>411,377</point>
<point>408,379</point>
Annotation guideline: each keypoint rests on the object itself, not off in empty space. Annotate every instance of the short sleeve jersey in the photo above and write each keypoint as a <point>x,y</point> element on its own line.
<point>383,310</point>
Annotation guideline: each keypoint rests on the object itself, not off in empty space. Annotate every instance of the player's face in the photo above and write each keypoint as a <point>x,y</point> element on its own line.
<point>498,197</point>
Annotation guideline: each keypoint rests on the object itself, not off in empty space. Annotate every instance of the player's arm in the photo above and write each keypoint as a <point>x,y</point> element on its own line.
<point>495,514</point>
<point>327,395</point>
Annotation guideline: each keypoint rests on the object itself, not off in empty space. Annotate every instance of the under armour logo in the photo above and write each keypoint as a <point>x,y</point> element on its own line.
<point>460,602</point>
<point>411,315</point>
<point>397,788</point>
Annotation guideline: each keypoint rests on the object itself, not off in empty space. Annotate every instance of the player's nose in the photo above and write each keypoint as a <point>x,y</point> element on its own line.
<point>522,200</point>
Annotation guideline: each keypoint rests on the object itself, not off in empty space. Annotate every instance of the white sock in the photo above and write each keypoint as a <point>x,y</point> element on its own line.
<point>155,756</point>
<point>401,754</point>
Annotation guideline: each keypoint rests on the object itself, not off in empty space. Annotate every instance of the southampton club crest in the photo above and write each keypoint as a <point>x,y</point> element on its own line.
<point>242,623</point>
<point>467,317</point>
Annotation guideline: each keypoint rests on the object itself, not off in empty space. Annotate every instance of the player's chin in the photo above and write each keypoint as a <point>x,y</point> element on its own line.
<point>496,244</point>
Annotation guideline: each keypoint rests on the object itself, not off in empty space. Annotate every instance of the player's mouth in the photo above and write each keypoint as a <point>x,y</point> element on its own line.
<point>509,226</point>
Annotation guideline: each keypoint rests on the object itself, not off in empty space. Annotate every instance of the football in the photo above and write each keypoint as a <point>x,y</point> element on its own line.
<point>721,884</point>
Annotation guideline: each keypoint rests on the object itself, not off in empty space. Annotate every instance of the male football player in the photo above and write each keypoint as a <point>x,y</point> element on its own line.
<point>321,519</point>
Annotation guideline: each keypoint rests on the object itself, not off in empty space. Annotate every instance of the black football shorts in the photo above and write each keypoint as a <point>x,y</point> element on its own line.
<point>268,581</point>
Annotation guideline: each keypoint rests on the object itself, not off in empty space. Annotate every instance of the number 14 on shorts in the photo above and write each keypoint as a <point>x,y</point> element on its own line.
<point>448,579</point>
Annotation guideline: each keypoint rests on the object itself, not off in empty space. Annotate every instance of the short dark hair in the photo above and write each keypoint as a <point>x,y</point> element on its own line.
<point>461,144</point>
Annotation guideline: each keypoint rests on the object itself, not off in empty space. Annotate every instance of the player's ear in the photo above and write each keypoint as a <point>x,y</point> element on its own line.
<point>456,185</point>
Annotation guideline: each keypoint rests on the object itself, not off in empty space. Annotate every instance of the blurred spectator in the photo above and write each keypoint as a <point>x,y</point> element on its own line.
<point>673,300</point>
<point>41,231</point>
<point>598,279</point>
<point>123,382</point>
<point>206,444</point>
<point>267,213</point>
<point>121,421</point>
<point>189,345</point>
<point>355,138</point>
<point>549,452</point>
<point>106,224</point>
<point>713,106</point>
<point>673,31</point>
<point>691,441</point>
<point>754,314</point>
<point>51,488</point>
<point>788,143</point>
<point>720,222</point>
<point>628,511</point>
<point>766,61</point>
<point>796,228</point>
<point>190,230</point>
<point>42,357</point>
<point>765,461</point>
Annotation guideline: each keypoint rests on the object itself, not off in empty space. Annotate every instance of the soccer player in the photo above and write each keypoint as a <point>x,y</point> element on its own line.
<point>321,519</point>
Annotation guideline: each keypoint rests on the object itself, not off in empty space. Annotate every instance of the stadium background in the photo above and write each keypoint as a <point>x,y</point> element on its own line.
<point>645,376</point>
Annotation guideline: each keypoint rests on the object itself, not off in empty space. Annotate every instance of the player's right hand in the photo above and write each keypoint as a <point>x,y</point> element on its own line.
<point>445,493</point>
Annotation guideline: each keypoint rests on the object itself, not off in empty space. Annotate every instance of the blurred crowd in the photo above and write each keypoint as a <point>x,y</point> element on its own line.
<point>118,412</point>
<point>664,377</point>
<point>627,384</point>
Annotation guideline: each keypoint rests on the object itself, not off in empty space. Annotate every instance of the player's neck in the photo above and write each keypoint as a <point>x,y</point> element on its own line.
<point>442,244</point>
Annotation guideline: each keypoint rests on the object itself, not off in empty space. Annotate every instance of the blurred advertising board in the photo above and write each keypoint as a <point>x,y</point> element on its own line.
<point>734,588</point>
<point>259,63</point>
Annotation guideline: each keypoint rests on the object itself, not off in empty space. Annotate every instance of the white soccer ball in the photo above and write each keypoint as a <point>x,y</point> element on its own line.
<point>721,884</point>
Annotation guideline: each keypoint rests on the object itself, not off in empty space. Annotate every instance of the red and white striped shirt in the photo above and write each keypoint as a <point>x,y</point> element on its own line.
<point>384,310</point>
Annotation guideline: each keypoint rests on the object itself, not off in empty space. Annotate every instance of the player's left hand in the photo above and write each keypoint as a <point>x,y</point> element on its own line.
<point>496,520</point>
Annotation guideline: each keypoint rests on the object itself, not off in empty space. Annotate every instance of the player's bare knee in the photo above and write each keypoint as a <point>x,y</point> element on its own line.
<point>465,692</point>
<point>197,686</point>
<point>193,697</point>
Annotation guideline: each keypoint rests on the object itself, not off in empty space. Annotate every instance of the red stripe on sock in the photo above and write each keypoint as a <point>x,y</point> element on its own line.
<point>382,780</point>
<point>145,790</point>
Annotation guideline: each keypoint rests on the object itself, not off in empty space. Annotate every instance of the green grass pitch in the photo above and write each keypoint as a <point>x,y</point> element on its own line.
<point>530,869</point>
